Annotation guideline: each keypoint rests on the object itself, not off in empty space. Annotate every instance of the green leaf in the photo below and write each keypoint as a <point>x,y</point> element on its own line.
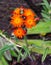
<point>5,48</point>
<point>46,4</point>
<point>4,62</point>
<point>7,55</point>
<point>19,55</point>
<point>41,27</point>
<point>17,50</point>
<point>36,46</point>
<point>45,54</point>
<point>45,15</point>
<point>24,55</point>
<point>13,53</point>
<point>39,46</point>
<point>45,9</point>
<point>26,52</point>
<point>26,49</point>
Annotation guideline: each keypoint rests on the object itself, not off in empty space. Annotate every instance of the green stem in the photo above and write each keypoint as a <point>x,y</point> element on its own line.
<point>25,38</point>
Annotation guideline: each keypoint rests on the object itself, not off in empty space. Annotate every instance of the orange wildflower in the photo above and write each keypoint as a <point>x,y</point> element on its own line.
<point>18,11</point>
<point>29,12</point>
<point>23,17</point>
<point>16,21</point>
<point>29,23</point>
<point>19,32</point>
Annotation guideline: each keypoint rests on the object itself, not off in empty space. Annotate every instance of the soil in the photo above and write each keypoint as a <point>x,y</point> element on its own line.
<point>28,61</point>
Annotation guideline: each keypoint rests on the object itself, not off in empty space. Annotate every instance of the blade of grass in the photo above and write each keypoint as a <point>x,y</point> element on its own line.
<point>45,54</point>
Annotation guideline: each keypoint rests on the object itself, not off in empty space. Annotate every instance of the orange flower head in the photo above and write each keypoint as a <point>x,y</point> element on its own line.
<point>16,21</point>
<point>18,11</point>
<point>19,32</point>
<point>29,23</point>
<point>29,12</point>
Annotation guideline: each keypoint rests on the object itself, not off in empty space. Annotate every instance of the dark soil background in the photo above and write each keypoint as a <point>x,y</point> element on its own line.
<point>29,61</point>
<point>6,8</point>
